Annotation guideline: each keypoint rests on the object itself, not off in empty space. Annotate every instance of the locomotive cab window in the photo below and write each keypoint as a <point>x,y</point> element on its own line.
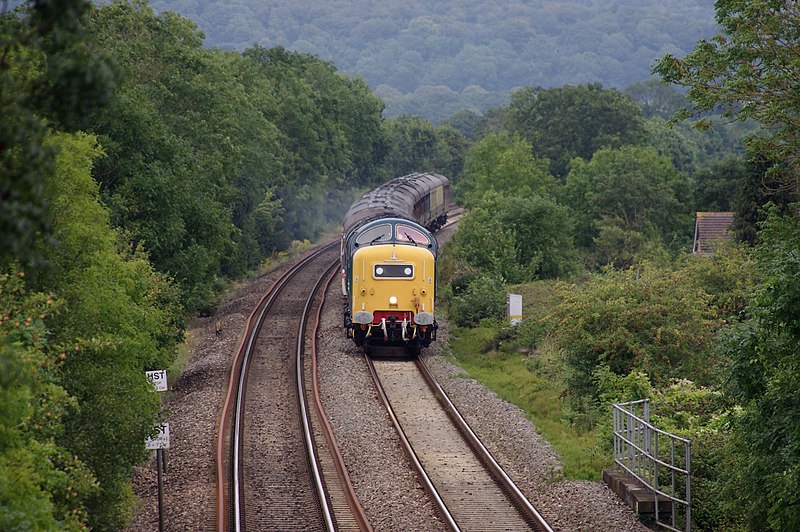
<point>379,233</point>
<point>393,271</point>
<point>405,233</point>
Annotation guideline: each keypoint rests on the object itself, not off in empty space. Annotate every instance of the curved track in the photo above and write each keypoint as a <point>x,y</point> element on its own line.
<point>275,481</point>
<point>470,488</point>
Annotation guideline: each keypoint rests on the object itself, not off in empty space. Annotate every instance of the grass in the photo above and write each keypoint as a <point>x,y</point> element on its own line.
<point>532,383</point>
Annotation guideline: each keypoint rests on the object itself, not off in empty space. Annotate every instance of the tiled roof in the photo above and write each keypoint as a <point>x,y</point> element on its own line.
<point>710,227</point>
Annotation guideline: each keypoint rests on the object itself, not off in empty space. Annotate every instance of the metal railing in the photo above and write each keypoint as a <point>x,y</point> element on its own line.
<point>659,460</point>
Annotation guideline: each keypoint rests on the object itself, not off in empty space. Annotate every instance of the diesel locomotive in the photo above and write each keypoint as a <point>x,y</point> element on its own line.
<point>388,262</point>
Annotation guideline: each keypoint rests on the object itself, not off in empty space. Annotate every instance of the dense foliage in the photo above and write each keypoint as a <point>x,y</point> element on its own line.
<point>570,122</point>
<point>624,198</point>
<point>434,58</point>
<point>215,159</point>
<point>749,71</point>
<point>415,145</point>
<point>712,341</point>
<point>660,320</point>
<point>765,380</point>
<point>76,365</point>
<point>138,172</point>
<point>47,73</point>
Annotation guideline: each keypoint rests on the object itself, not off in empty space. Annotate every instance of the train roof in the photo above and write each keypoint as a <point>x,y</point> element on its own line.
<point>394,198</point>
<point>364,234</point>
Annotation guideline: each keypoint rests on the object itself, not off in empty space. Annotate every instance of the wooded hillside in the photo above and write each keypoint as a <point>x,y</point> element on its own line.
<point>434,58</point>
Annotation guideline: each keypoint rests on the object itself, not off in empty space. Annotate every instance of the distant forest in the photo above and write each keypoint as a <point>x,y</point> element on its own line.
<point>434,58</point>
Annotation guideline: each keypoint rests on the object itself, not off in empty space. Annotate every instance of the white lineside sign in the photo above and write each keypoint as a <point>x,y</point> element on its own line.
<point>160,440</point>
<point>159,379</point>
<point>514,308</point>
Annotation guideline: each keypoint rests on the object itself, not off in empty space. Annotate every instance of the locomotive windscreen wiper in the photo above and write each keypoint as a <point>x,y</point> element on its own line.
<point>379,237</point>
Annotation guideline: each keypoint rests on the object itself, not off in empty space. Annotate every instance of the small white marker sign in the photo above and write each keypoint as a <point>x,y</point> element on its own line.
<point>514,308</point>
<point>159,379</point>
<point>160,440</point>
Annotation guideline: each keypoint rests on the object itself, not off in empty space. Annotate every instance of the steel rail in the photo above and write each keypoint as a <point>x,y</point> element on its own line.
<point>518,499</point>
<point>301,397</point>
<point>423,475</point>
<point>236,387</point>
<point>341,469</point>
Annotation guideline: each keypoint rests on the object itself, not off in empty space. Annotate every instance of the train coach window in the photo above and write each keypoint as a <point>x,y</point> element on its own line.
<point>409,234</point>
<point>379,233</point>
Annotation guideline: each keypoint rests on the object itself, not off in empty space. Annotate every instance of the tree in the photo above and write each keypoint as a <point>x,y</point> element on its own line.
<point>749,71</point>
<point>656,98</point>
<point>568,122</point>
<point>465,121</point>
<point>49,73</point>
<point>415,145</point>
<point>762,184</point>
<point>516,238</point>
<point>718,186</point>
<point>43,486</point>
<point>655,320</point>
<point>118,318</point>
<point>505,165</point>
<point>170,137</point>
<point>764,354</point>
<point>632,188</point>
<point>331,134</point>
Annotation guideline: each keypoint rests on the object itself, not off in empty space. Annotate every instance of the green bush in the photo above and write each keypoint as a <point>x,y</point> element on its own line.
<point>484,297</point>
<point>528,333</point>
<point>764,378</point>
<point>703,415</point>
<point>649,319</point>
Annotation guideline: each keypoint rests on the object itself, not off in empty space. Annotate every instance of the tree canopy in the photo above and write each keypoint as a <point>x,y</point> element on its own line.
<point>414,145</point>
<point>216,159</point>
<point>48,73</point>
<point>764,378</point>
<point>748,71</point>
<point>569,122</point>
<point>632,191</point>
<point>434,58</point>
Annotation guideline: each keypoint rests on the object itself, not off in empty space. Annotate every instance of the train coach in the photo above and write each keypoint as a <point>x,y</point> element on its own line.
<point>388,262</point>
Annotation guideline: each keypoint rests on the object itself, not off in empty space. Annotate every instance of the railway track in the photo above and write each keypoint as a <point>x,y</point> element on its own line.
<point>271,473</point>
<point>469,487</point>
<point>278,464</point>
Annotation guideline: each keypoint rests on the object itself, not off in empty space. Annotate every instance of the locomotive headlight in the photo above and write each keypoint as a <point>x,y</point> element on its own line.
<point>392,300</point>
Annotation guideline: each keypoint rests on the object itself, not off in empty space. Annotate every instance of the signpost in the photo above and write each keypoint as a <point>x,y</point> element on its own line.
<point>159,442</point>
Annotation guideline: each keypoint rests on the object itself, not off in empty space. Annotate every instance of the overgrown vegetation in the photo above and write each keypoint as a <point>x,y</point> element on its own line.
<point>140,172</point>
<point>712,341</point>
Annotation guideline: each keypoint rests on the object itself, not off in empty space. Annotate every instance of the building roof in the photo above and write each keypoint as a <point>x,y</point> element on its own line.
<point>709,228</point>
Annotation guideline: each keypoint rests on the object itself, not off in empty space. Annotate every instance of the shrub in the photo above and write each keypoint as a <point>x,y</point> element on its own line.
<point>484,297</point>
<point>649,319</point>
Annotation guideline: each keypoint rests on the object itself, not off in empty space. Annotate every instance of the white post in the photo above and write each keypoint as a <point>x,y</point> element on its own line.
<point>514,308</point>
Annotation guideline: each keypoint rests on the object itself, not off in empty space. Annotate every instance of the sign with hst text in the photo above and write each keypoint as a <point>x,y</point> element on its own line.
<point>160,440</point>
<point>159,379</point>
